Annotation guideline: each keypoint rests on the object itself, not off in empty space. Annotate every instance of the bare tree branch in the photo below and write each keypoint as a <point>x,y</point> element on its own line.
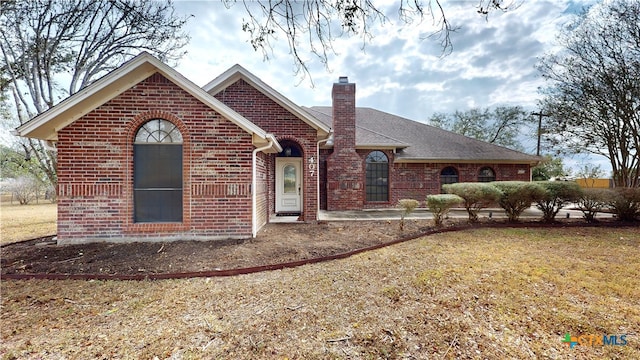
<point>43,40</point>
<point>316,24</point>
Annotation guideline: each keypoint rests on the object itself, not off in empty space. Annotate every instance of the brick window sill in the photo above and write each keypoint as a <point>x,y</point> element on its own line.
<point>156,227</point>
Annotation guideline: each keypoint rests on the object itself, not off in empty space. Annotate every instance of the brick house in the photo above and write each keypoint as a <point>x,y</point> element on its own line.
<point>145,154</point>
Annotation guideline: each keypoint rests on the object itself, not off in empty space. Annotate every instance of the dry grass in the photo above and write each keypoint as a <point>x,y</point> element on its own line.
<point>22,222</point>
<point>483,293</point>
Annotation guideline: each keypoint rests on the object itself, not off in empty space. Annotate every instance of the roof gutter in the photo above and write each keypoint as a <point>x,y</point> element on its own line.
<point>464,161</point>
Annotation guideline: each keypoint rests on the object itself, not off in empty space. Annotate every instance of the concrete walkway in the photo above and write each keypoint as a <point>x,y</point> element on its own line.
<point>422,213</point>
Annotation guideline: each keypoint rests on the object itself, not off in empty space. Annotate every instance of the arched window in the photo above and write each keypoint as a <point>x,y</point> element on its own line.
<point>448,175</point>
<point>377,177</point>
<point>157,172</point>
<point>486,174</point>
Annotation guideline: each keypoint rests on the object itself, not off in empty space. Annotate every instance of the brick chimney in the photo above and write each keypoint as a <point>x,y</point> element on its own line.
<point>345,175</point>
<point>343,97</point>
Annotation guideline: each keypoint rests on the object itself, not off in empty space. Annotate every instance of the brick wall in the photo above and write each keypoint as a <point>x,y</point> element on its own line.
<point>412,180</point>
<point>417,180</point>
<point>95,162</point>
<point>273,118</point>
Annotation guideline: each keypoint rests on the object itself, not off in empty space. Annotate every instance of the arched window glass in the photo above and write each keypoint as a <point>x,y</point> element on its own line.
<point>377,176</point>
<point>158,131</point>
<point>486,174</point>
<point>448,175</point>
<point>157,172</point>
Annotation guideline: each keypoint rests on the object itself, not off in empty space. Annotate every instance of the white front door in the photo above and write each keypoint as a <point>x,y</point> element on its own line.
<point>288,185</point>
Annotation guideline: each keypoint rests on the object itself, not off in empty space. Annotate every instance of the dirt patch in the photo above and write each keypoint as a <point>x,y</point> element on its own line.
<point>276,243</point>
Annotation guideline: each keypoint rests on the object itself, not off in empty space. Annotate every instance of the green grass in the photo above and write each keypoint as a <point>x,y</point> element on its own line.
<point>23,222</point>
<point>482,293</point>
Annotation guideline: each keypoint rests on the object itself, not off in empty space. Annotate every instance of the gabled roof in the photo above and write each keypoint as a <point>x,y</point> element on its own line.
<point>237,72</point>
<point>46,125</point>
<point>422,142</point>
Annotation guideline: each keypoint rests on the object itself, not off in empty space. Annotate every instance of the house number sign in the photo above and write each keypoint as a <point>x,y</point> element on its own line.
<point>312,166</point>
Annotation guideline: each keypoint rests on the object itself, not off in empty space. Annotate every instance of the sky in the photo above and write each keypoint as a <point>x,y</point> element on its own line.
<point>400,70</point>
<point>492,62</point>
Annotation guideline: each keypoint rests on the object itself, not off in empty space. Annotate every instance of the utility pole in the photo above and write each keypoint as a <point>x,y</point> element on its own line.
<point>540,115</point>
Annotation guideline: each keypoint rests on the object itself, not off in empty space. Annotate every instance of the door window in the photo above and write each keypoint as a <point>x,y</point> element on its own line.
<point>289,176</point>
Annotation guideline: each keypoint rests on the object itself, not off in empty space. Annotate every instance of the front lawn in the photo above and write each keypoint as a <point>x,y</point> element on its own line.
<point>484,293</point>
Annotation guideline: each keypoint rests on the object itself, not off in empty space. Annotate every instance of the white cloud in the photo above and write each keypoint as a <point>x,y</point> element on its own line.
<point>400,71</point>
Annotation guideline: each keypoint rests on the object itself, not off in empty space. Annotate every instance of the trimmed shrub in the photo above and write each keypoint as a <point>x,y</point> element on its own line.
<point>592,201</point>
<point>475,195</point>
<point>407,206</point>
<point>440,204</point>
<point>517,196</point>
<point>625,203</point>
<point>557,194</point>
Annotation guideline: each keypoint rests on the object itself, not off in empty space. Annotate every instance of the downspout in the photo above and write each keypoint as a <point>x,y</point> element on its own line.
<point>329,139</point>
<point>254,189</point>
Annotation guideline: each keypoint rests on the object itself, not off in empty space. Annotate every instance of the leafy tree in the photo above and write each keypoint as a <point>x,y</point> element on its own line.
<point>500,126</point>
<point>549,167</point>
<point>314,25</point>
<point>593,95</point>
<point>45,43</point>
<point>14,164</point>
<point>23,176</point>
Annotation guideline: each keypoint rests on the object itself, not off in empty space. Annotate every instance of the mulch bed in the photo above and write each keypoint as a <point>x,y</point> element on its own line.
<point>276,246</point>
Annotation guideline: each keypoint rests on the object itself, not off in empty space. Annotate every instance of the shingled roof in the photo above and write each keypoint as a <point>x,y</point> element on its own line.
<point>419,142</point>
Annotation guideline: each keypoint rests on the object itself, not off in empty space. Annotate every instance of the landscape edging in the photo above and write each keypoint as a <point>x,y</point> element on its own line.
<point>292,264</point>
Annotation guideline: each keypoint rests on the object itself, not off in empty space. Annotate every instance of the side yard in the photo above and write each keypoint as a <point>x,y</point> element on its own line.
<point>22,222</point>
<point>483,293</point>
